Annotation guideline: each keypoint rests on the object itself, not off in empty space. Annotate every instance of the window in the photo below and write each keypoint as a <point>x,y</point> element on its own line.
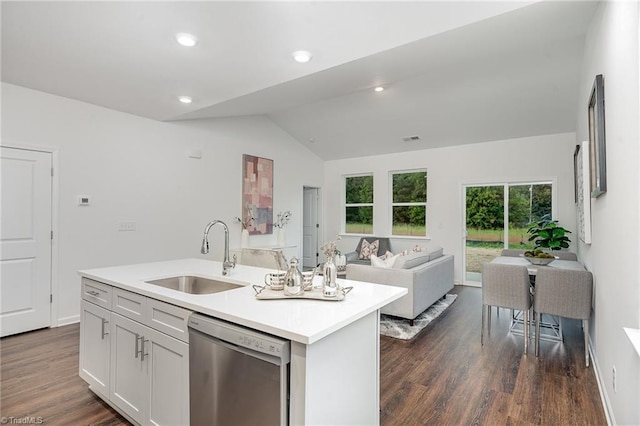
<point>409,203</point>
<point>358,212</point>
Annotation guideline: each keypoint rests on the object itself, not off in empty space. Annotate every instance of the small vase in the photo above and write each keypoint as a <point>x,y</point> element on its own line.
<point>330,275</point>
<point>244,243</point>
<point>281,237</point>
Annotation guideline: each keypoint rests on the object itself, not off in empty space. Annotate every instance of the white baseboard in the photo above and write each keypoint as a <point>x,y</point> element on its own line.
<point>606,404</point>
<point>67,320</point>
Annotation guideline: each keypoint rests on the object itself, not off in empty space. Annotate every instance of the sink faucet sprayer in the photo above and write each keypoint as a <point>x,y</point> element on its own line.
<point>226,263</point>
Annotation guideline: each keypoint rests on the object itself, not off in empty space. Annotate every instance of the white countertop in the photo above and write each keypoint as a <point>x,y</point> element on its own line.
<point>304,321</point>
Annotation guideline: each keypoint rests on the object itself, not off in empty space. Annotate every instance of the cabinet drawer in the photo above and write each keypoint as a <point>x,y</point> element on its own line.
<point>96,292</point>
<point>169,319</point>
<point>128,304</point>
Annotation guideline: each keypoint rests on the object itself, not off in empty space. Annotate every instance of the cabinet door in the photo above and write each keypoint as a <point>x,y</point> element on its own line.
<point>95,340</point>
<point>128,369</point>
<point>168,380</point>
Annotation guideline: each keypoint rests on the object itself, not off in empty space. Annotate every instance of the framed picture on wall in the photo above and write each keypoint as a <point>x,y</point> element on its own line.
<point>257,193</point>
<point>597,145</point>
<point>576,164</point>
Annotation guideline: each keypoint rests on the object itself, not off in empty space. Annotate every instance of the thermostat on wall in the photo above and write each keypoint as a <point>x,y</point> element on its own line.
<point>83,200</point>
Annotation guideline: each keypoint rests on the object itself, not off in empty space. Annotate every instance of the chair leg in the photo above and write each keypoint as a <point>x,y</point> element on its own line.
<point>585,329</point>
<point>526,330</point>
<point>489,320</point>
<point>537,316</point>
<point>484,310</point>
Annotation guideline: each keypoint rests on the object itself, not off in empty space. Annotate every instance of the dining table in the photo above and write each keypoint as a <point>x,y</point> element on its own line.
<point>550,325</point>
<point>533,269</point>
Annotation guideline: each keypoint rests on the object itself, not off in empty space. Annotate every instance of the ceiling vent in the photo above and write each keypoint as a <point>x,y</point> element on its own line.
<point>411,138</point>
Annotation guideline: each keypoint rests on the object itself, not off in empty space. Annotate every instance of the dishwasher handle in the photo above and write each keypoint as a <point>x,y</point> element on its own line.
<point>254,354</point>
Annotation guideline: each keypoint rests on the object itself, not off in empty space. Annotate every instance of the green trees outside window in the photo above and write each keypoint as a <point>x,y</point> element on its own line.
<point>359,204</point>
<point>409,203</point>
<point>485,212</point>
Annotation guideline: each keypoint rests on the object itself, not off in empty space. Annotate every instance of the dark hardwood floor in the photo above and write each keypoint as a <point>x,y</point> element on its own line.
<point>444,377</point>
<point>441,377</point>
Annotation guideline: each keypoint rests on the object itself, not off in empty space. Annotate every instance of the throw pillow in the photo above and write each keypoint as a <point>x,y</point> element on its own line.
<point>367,249</point>
<point>383,263</point>
<point>387,255</point>
<point>415,249</point>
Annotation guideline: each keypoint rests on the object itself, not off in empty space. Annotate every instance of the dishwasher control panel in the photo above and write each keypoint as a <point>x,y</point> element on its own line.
<point>240,336</point>
<point>259,344</point>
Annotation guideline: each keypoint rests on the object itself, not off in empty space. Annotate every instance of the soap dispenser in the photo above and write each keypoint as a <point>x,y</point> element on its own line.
<point>293,281</point>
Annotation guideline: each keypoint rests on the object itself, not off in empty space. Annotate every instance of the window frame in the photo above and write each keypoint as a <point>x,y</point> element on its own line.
<point>345,205</point>
<point>393,204</point>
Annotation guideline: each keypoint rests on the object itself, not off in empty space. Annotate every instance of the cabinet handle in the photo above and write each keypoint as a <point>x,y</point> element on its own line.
<point>137,345</point>
<point>104,332</point>
<point>143,354</point>
<point>93,292</point>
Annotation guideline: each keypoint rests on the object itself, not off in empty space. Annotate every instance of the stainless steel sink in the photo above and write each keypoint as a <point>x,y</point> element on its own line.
<point>194,285</point>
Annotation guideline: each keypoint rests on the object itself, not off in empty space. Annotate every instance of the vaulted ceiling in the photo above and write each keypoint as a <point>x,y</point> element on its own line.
<point>453,72</point>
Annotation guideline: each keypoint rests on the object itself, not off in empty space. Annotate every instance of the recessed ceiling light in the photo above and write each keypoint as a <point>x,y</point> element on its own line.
<point>185,99</point>
<point>379,89</point>
<point>186,40</point>
<point>301,56</point>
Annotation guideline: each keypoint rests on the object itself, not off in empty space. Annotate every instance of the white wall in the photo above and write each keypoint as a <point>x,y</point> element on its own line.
<point>533,158</point>
<point>612,50</point>
<point>136,169</point>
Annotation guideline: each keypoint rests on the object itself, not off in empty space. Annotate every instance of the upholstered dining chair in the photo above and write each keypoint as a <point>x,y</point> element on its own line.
<point>564,293</point>
<point>565,255</point>
<point>505,286</point>
<point>512,252</point>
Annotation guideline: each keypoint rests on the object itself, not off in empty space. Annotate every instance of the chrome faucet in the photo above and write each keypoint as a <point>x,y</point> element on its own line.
<point>226,263</point>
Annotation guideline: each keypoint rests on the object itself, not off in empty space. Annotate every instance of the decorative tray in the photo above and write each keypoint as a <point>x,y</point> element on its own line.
<point>264,292</point>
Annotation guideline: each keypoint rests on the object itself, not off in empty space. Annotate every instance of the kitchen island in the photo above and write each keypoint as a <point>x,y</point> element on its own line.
<point>334,369</point>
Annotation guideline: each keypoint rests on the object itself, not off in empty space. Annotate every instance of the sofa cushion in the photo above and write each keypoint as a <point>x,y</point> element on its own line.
<point>411,260</point>
<point>383,262</point>
<point>367,249</point>
<point>434,252</point>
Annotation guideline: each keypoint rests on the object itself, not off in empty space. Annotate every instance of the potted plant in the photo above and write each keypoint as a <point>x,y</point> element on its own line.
<point>546,234</point>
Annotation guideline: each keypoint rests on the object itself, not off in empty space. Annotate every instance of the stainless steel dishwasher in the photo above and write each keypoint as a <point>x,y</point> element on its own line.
<point>237,376</point>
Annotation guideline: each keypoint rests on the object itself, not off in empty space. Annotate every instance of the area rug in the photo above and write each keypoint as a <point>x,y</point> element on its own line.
<point>400,328</point>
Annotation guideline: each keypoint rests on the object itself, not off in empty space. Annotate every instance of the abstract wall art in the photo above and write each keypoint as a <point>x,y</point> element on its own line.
<point>257,193</point>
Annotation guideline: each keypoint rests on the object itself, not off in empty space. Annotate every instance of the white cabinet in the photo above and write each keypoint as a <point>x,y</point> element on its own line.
<point>167,380</point>
<point>136,354</point>
<point>95,338</point>
<point>149,374</point>
<point>128,371</point>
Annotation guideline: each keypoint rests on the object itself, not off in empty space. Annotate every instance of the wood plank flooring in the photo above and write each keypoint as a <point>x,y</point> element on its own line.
<point>441,377</point>
<point>445,377</point>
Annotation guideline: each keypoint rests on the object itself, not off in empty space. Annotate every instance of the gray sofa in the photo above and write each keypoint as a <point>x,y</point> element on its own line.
<point>427,275</point>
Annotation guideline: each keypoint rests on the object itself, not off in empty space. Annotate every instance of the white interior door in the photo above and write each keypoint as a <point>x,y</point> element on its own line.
<point>25,240</point>
<point>310,228</point>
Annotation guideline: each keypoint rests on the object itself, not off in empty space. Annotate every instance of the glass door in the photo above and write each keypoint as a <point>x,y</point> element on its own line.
<point>490,227</point>
<point>484,206</point>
